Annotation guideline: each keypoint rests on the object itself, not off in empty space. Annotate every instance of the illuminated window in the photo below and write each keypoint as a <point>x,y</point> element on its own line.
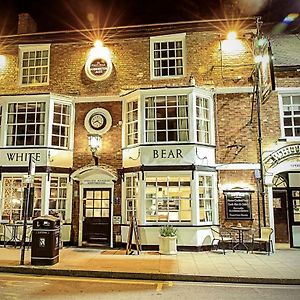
<point>132,122</point>
<point>167,56</point>
<point>203,120</point>
<point>58,196</point>
<point>131,191</point>
<point>290,117</point>
<point>168,199</point>
<point>205,198</point>
<point>13,198</point>
<point>26,124</point>
<point>166,118</point>
<point>34,64</point>
<point>61,125</point>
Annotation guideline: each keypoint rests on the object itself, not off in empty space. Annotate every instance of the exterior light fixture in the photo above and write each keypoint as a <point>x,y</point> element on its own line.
<point>232,45</point>
<point>98,65</point>
<point>95,144</point>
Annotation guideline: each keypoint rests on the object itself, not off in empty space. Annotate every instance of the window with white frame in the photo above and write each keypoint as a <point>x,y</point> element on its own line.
<point>58,196</point>
<point>131,122</point>
<point>26,124</point>
<point>34,64</point>
<point>166,118</point>
<point>205,198</point>
<point>203,120</point>
<point>131,193</point>
<point>167,56</point>
<point>291,116</point>
<point>61,125</point>
<point>168,199</point>
<point>13,198</point>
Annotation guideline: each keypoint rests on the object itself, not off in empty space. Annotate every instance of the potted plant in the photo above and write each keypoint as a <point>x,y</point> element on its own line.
<point>168,240</point>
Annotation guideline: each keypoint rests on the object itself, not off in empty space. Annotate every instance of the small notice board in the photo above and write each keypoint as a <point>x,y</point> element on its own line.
<point>133,229</point>
<point>238,204</point>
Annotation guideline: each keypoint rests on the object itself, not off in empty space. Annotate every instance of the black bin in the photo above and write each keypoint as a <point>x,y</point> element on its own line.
<point>45,240</point>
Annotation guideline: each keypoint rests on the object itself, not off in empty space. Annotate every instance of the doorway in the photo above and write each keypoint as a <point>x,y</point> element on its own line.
<point>97,216</point>
<point>281,220</point>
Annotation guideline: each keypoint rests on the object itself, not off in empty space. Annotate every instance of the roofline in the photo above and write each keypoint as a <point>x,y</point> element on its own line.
<point>121,31</point>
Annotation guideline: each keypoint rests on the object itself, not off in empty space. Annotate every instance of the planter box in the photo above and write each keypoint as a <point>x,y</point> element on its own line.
<point>168,245</point>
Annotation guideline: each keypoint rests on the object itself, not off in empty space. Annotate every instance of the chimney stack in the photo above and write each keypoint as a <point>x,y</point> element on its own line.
<point>26,24</point>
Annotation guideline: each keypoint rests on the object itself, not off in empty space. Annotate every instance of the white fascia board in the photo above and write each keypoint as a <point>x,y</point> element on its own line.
<point>288,90</point>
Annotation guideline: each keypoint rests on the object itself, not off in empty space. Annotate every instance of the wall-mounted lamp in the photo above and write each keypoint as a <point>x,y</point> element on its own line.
<point>232,45</point>
<point>95,144</point>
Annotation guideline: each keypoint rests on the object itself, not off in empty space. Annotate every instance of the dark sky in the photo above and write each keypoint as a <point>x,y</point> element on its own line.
<point>73,14</point>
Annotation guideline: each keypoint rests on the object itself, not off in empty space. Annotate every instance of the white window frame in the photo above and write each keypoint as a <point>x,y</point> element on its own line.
<point>34,48</point>
<point>49,101</point>
<point>167,38</point>
<point>155,208</point>
<point>132,123</point>
<point>134,192</point>
<point>281,111</point>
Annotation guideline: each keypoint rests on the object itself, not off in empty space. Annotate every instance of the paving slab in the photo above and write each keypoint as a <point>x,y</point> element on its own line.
<point>282,267</point>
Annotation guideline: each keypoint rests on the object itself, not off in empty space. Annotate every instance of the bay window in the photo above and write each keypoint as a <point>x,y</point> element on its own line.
<point>205,198</point>
<point>166,118</point>
<point>131,120</point>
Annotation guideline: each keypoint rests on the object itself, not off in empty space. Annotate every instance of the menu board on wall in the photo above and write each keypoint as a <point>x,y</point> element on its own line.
<point>238,204</point>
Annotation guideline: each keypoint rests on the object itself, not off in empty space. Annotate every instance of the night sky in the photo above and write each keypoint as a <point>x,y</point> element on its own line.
<point>77,14</point>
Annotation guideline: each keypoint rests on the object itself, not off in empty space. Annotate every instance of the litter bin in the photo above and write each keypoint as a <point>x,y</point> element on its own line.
<point>45,240</point>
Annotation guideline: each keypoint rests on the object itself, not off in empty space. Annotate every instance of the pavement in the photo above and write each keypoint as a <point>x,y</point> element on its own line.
<point>282,267</point>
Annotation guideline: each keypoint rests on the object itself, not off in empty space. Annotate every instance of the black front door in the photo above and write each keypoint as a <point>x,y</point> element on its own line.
<point>96,216</point>
<point>280,206</point>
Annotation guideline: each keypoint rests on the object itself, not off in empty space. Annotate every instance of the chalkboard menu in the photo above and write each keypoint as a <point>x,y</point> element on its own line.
<point>238,204</point>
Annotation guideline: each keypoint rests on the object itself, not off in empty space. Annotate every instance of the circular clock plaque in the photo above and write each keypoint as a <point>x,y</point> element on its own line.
<point>98,121</point>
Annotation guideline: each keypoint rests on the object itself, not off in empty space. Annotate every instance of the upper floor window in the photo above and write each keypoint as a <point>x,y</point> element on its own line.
<point>202,120</point>
<point>61,125</point>
<point>34,64</point>
<point>131,122</point>
<point>290,116</point>
<point>166,118</point>
<point>36,120</point>
<point>167,56</point>
<point>25,124</point>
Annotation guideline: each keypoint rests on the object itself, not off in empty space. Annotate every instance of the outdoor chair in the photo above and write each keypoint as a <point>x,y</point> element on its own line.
<point>264,239</point>
<point>220,240</point>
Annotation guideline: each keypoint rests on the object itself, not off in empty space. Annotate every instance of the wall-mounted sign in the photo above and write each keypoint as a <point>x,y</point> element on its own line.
<point>98,65</point>
<point>97,121</point>
<point>238,204</point>
<point>282,154</point>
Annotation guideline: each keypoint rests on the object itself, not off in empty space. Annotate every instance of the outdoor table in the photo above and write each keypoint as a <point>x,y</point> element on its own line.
<point>13,229</point>
<point>241,231</point>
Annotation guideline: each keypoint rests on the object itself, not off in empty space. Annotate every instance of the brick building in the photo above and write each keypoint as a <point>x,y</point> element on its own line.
<point>159,121</point>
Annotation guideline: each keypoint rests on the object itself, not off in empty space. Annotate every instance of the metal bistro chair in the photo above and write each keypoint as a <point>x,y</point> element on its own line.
<point>265,233</point>
<point>220,239</point>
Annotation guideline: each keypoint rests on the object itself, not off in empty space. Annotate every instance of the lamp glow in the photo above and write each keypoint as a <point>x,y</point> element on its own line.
<point>95,142</point>
<point>232,35</point>
<point>2,62</point>
<point>98,44</point>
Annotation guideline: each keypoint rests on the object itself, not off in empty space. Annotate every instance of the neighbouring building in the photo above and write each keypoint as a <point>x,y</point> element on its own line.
<point>160,121</point>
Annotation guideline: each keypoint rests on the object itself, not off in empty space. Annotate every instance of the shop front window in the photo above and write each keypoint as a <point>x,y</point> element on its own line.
<point>168,199</point>
<point>166,119</point>
<point>58,196</point>
<point>205,198</point>
<point>13,198</point>
<point>131,192</point>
